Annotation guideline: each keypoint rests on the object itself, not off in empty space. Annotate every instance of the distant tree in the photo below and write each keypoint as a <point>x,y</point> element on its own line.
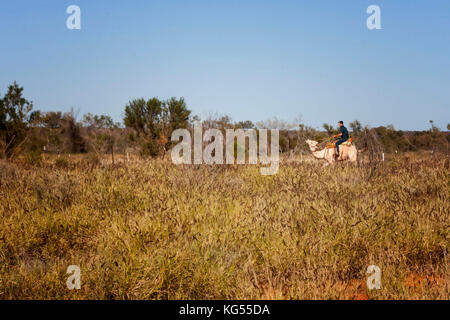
<point>48,126</point>
<point>448,126</point>
<point>244,125</point>
<point>144,116</point>
<point>98,122</point>
<point>225,122</point>
<point>356,127</point>
<point>304,133</point>
<point>14,120</point>
<point>154,120</point>
<point>35,118</point>
<point>175,115</point>
<point>279,124</point>
<point>329,129</point>
<point>102,133</point>
<point>432,124</point>
<point>438,138</point>
<point>217,121</point>
<point>178,113</point>
<point>390,127</point>
<point>75,142</point>
<point>193,120</point>
<point>52,120</point>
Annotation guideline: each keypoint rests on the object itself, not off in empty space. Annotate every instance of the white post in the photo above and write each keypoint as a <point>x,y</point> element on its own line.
<point>383,156</point>
<point>301,156</point>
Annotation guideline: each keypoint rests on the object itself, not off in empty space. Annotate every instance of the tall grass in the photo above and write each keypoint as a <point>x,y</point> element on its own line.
<point>152,230</point>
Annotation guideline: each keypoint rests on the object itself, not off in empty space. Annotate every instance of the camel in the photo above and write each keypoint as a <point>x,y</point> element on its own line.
<point>347,152</point>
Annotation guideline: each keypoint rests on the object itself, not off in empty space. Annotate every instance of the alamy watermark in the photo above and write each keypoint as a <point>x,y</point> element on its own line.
<point>235,147</point>
<point>73,22</point>
<point>374,20</point>
<point>374,280</point>
<point>74,280</point>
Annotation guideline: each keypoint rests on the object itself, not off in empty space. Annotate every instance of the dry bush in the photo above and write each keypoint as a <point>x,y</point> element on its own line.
<point>56,190</point>
<point>8,172</point>
<point>152,230</point>
<point>61,163</point>
<point>372,152</point>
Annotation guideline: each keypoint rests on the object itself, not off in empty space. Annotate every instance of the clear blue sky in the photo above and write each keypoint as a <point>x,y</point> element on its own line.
<point>248,59</point>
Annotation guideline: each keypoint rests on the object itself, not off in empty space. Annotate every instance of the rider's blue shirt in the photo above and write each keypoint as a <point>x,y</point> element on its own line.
<point>344,132</point>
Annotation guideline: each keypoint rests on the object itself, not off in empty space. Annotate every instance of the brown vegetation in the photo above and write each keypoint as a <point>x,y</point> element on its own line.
<point>153,230</point>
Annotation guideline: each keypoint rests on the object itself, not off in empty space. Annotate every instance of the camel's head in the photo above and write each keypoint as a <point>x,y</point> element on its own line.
<point>312,144</point>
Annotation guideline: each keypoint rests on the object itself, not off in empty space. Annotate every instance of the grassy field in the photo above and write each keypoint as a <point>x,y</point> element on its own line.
<point>152,230</point>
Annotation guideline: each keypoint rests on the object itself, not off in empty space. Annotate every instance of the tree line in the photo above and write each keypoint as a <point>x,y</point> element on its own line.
<point>148,124</point>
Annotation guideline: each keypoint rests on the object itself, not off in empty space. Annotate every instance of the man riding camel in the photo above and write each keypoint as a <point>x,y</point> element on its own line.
<point>343,135</point>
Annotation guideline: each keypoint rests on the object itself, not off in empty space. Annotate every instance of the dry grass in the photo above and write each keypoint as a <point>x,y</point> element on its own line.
<point>151,230</point>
